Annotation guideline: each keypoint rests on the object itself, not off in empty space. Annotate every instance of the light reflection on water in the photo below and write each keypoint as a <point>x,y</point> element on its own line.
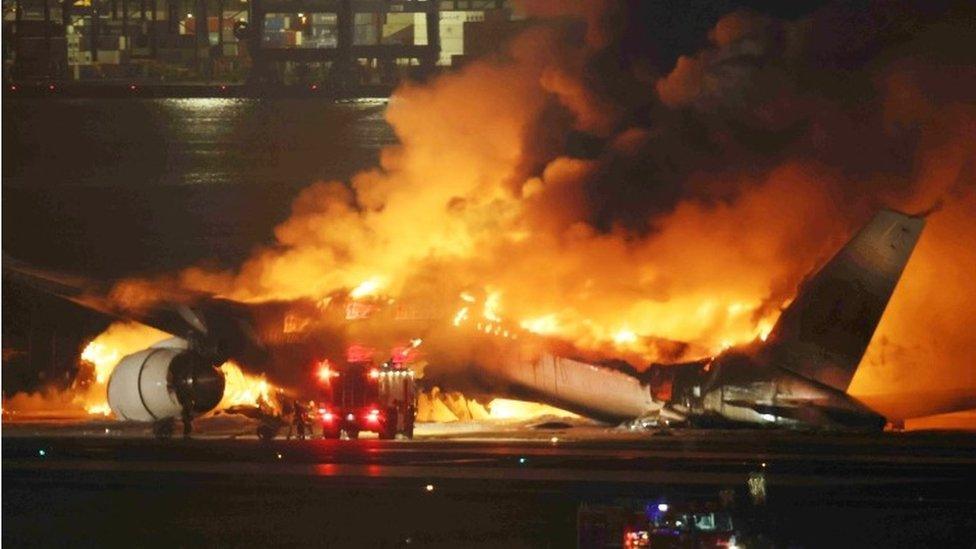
<point>120,185</point>
<point>123,142</point>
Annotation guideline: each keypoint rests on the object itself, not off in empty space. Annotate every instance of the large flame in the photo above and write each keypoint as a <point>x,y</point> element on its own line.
<point>690,225</point>
<point>241,388</point>
<point>104,353</point>
<point>655,248</point>
<point>505,408</point>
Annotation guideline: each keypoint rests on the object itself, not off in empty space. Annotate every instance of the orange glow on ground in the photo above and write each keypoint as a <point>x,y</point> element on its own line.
<point>505,408</point>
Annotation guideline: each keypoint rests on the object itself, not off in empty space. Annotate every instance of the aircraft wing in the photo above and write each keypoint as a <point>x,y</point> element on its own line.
<point>185,314</point>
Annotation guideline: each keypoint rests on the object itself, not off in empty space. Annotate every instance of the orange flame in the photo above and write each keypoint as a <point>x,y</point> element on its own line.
<point>245,389</point>
<point>504,408</point>
<point>104,353</point>
<point>467,201</point>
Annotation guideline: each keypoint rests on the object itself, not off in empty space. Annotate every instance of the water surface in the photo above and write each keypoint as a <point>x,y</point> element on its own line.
<point>122,186</point>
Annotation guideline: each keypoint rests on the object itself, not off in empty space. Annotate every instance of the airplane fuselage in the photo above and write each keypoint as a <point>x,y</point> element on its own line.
<point>738,389</point>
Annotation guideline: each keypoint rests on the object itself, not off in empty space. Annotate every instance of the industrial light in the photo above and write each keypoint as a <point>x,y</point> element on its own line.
<point>374,373</point>
<point>662,507</point>
<point>429,487</point>
<point>41,452</point>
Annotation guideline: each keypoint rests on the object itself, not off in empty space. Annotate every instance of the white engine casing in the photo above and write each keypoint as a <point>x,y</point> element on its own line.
<point>139,390</point>
<point>147,385</point>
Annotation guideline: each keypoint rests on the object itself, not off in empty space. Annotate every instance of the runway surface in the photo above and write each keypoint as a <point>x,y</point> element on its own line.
<point>510,486</point>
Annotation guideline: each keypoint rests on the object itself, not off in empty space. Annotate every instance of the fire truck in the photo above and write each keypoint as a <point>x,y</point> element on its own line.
<point>362,396</point>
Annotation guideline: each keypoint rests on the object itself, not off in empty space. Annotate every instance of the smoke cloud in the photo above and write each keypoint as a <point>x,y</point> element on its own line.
<point>663,211</point>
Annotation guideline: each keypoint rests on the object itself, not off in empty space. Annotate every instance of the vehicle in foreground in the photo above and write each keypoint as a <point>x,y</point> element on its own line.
<point>362,396</point>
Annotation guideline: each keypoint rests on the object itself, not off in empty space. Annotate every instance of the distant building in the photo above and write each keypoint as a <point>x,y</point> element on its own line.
<point>203,40</point>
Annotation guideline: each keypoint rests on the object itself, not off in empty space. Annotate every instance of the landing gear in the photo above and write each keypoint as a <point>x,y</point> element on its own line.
<point>391,427</point>
<point>409,422</point>
<point>408,429</point>
<point>398,424</point>
<point>187,422</point>
<point>163,428</point>
<point>267,432</point>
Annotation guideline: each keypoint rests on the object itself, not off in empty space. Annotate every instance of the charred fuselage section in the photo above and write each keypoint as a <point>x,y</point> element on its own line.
<point>735,389</point>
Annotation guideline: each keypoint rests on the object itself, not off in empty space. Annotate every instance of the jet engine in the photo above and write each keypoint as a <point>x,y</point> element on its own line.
<point>158,382</point>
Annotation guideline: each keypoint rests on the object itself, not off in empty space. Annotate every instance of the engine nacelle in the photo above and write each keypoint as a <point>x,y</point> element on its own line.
<point>157,383</point>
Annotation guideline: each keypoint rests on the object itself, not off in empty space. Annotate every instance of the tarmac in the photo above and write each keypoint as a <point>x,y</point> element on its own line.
<point>495,484</point>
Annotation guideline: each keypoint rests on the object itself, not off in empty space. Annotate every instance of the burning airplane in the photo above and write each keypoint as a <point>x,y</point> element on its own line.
<point>568,201</point>
<point>797,377</point>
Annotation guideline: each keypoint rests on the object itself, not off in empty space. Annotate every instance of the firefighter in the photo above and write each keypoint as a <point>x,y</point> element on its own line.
<point>300,420</point>
<point>187,415</point>
<point>186,411</point>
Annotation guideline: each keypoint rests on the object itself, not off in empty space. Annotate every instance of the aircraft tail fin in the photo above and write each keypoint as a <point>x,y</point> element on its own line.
<point>824,332</point>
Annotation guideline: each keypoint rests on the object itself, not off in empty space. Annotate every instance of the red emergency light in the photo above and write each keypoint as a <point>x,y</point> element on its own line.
<point>373,416</point>
<point>327,415</point>
<point>325,373</point>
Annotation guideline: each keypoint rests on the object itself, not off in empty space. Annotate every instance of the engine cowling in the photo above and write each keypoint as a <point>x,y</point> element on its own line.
<point>157,383</point>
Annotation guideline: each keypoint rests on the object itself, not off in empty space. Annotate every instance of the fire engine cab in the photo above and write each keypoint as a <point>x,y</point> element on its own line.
<point>362,396</point>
